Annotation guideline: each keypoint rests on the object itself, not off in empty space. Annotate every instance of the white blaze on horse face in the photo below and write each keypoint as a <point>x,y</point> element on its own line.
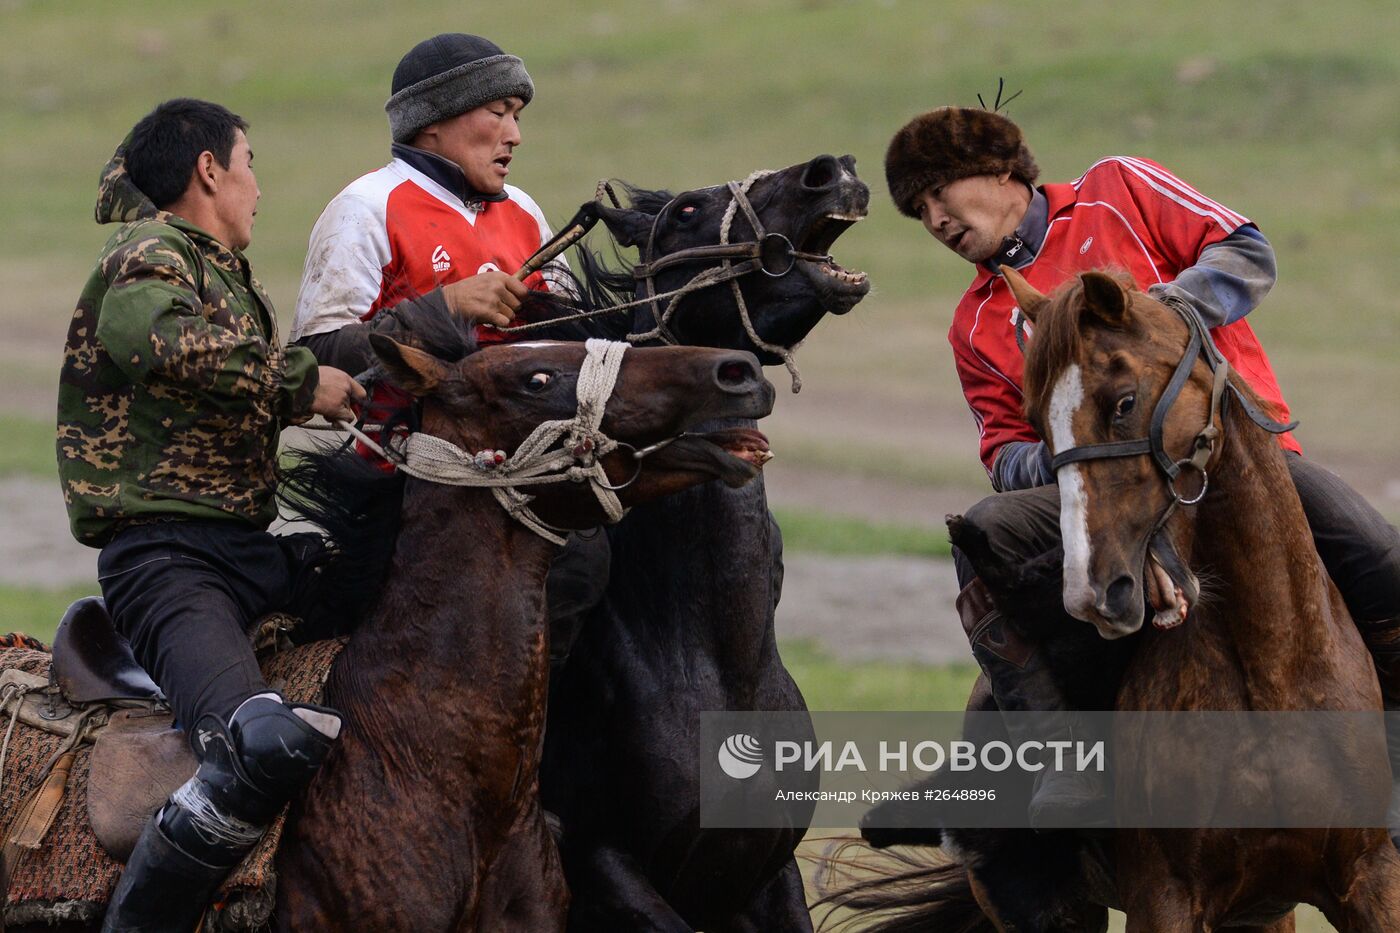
<point>1074,520</point>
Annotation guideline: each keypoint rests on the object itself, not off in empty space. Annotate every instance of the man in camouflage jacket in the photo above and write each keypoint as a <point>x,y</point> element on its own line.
<point>173,392</point>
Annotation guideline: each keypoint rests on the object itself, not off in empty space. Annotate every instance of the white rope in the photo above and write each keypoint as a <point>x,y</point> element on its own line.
<point>14,693</point>
<point>556,451</point>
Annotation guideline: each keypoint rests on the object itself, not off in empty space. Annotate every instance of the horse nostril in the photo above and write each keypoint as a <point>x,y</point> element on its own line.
<point>1118,599</point>
<point>821,172</point>
<point>733,373</point>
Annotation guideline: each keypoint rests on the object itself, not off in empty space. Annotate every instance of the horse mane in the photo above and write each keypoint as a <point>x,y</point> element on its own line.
<point>1057,338</point>
<point>358,507</point>
<point>600,282</point>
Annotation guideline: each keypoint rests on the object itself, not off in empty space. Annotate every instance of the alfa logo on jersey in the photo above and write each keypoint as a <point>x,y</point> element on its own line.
<point>441,261</point>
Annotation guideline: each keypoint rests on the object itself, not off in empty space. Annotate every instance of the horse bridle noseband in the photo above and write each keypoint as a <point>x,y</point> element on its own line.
<point>567,450</point>
<point>1203,446</point>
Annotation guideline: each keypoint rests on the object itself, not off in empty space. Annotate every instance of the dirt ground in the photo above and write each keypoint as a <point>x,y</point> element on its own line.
<point>894,608</point>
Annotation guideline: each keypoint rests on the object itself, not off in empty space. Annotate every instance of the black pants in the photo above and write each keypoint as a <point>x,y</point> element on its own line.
<point>1359,548</point>
<point>185,593</point>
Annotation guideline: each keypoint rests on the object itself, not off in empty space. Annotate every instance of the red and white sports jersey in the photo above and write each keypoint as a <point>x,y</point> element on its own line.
<point>1124,213</point>
<point>395,234</point>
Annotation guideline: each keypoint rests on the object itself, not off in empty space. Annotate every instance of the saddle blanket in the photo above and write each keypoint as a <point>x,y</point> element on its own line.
<point>70,876</point>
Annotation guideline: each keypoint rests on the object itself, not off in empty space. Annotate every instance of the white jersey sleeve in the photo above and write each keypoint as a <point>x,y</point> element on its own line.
<point>556,272</point>
<point>348,251</point>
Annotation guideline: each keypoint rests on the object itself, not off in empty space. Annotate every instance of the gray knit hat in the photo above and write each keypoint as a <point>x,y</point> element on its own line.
<point>448,75</point>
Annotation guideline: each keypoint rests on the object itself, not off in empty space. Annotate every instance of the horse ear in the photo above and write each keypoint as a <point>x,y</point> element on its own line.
<point>1105,297</point>
<point>1027,298</point>
<point>414,370</point>
<point>628,227</point>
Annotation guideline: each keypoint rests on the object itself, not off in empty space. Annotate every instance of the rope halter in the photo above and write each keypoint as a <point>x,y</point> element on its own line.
<point>567,450</point>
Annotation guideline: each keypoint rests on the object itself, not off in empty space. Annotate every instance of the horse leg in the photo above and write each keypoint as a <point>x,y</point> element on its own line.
<point>1372,903</point>
<point>1163,908</point>
<point>1284,925</point>
<point>781,904</point>
<point>612,894</point>
<point>526,892</point>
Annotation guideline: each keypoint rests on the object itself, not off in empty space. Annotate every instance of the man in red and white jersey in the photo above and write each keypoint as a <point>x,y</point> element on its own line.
<point>969,177</point>
<point>424,249</point>
<point>429,241</point>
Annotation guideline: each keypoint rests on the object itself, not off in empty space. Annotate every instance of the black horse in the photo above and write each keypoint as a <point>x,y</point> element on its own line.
<point>687,621</point>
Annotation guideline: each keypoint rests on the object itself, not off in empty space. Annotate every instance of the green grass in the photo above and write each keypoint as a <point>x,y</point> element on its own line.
<point>814,532</point>
<point>35,611</point>
<point>831,684</point>
<point>1282,110</point>
<point>27,448</point>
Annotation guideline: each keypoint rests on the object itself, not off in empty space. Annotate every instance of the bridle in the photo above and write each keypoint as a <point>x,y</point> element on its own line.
<point>1204,444</point>
<point>567,450</point>
<point>770,253</point>
<point>773,254</point>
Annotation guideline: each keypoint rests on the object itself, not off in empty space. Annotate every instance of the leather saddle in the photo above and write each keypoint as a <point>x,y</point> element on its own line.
<point>92,661</point>
<point>138,756</point>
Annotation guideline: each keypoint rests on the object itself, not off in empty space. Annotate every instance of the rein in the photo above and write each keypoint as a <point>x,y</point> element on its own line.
<point>566,450</point>
<point>773,254</point>
<point>1203,446</point>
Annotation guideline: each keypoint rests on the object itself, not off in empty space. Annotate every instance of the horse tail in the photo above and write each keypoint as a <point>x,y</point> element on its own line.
<point>888,891</point>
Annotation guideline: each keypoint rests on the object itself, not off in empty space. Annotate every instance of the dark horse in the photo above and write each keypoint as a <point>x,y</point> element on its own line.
<point>687,621</point>
<point>1275,636</point>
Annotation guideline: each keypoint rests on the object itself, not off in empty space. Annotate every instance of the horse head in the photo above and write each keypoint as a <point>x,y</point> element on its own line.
<point>632,420</point>
<point>779,226</point>
<point>1113,384</point>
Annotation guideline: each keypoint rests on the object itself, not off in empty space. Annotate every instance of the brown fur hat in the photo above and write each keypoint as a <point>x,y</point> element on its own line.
<point>949,143</point>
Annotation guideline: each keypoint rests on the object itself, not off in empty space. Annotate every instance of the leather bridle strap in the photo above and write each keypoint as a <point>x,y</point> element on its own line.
<point>1203,446</point>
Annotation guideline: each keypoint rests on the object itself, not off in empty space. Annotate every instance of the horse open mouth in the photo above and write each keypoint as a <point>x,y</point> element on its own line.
<point>844,286</point>
<point>1172,589</point>
<point>733,455</point>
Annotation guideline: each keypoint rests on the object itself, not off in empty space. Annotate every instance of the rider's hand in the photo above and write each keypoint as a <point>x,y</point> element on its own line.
<point>489,297</point>
<point>336,392</point>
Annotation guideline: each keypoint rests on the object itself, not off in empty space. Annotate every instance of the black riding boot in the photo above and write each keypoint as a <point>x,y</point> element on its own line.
<point>1022,683</point>
<point>248,770</point>
<point>1383,641</point>
<point>165,887</point>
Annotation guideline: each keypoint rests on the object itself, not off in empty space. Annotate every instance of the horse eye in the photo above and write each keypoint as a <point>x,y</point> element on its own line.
<point>687,213</point>
<point>540,380</point>
<point>1125,405</point>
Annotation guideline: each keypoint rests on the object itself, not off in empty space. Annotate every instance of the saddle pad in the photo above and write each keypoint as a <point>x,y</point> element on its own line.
<point>70,877</point>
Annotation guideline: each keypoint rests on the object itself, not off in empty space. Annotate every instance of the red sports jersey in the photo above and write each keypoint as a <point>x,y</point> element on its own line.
<point>396,234</point>
<point>1124,213</point>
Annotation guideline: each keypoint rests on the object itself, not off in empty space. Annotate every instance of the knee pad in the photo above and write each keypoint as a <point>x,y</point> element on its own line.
<point>265,754</point>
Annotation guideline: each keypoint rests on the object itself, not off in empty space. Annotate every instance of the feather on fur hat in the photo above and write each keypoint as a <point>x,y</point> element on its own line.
<point>949,143</point>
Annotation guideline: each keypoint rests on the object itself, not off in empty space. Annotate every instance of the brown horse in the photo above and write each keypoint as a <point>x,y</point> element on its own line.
<point>426,817</point>
<point>1275,636</point>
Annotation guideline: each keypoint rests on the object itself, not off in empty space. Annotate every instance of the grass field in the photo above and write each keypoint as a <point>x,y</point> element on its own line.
<point>1284,110</point>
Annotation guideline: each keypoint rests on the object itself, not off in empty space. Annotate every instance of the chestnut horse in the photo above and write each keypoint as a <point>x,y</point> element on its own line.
<point>427,815</point>
<point>1136,425</point>
<point>687,621</point>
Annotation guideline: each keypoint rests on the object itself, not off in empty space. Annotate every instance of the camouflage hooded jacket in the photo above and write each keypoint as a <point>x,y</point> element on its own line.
<point>174,385</point>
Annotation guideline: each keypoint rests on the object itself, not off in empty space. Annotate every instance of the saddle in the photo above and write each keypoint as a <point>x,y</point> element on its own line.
<point>119,759</point>
<point>97,692</point>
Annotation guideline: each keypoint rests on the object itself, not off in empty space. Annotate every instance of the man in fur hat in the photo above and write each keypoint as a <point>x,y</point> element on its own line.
<point>969,177</point>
